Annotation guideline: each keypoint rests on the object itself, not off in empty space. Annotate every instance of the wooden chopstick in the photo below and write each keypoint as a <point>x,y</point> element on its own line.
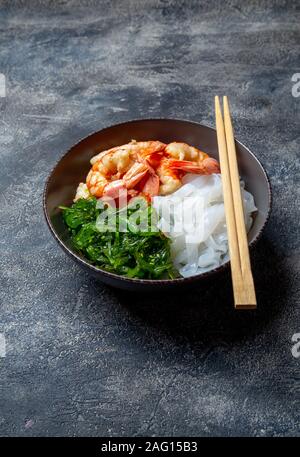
<point>242,280</point>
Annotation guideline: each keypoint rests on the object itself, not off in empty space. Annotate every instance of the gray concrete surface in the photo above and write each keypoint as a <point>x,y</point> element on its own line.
<point>83,359</point>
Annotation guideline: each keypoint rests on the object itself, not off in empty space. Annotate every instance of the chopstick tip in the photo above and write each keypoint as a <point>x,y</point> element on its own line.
<point>245,306</point>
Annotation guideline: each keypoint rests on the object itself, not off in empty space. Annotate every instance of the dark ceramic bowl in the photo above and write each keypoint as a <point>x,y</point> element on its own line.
<point>74,165</point>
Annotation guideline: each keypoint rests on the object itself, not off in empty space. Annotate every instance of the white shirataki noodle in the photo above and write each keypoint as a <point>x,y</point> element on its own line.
<point>199,244</point>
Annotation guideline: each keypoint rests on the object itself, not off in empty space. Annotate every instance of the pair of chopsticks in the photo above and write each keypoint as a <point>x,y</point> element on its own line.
<point>242,280</point>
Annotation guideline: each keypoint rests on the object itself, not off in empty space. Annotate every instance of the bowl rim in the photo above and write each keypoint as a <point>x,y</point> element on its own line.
<point>139,281</point>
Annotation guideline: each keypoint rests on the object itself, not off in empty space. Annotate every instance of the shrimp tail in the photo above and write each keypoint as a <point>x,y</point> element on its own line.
<point>151,186</point>
<point>206,167</point>
<point>135,174</point>
<point>114,189</point>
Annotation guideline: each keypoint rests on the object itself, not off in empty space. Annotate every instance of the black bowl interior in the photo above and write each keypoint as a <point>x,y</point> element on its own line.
<point>74,166</point>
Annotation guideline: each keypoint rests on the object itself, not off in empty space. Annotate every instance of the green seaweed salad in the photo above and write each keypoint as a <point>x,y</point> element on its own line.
<point>124,241</point>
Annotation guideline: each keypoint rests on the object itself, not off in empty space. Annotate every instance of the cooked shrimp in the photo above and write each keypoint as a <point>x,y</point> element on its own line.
<point>190,159</point>
<point>183,151</point>
<point>135,174</point>
<point>134,148</point>
<point>151,186</point>
<point>127,161</point>
<point>96,182</point>
<point>170,168</point>
<point>169,179</point>
<point>148,167</point>
<point>206,166</point>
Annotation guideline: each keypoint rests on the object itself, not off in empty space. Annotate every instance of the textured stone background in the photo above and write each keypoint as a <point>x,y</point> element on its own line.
<point>83,359</point>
